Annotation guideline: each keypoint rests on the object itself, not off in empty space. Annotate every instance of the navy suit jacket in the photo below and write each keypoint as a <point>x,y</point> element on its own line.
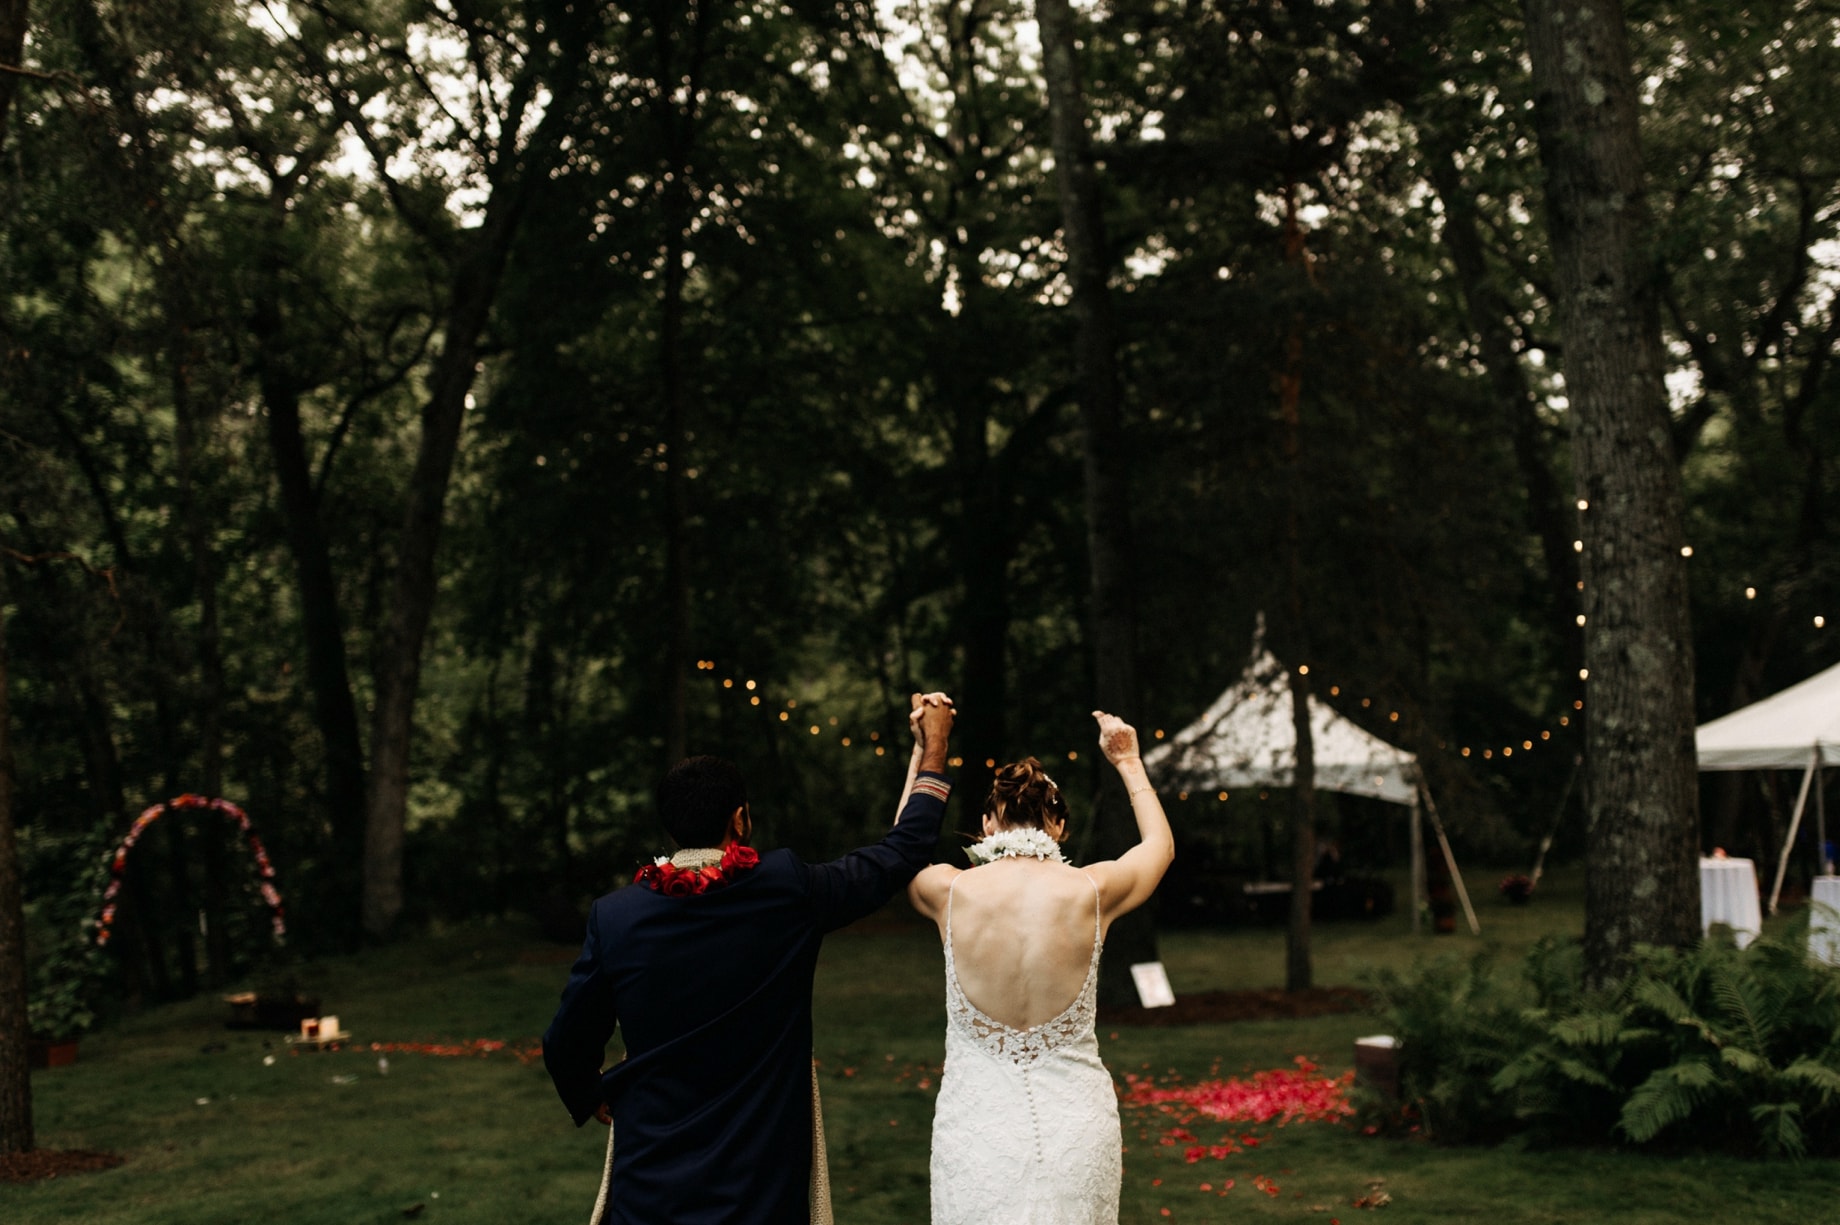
<point>712,994</point>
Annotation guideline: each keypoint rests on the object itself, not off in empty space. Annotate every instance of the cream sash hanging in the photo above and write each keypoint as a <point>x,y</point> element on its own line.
<point>820,1165</point>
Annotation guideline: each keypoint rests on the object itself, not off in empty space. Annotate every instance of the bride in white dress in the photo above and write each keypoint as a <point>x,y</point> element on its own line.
<point>1026,1128</point>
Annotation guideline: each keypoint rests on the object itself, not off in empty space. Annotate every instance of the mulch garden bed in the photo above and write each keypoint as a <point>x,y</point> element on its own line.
<point>43,1163</point>
<point>1204,1007</point>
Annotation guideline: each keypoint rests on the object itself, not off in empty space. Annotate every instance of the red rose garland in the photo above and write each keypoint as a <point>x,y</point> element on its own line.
<point>672,881</point>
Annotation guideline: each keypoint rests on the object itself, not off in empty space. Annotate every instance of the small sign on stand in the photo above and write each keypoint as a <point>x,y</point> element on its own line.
<point>1153,989</point>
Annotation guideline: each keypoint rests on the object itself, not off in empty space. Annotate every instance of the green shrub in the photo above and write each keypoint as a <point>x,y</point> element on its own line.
<point>62,878</point>
<point>1457,1025</point>
<point>1699,1048</point>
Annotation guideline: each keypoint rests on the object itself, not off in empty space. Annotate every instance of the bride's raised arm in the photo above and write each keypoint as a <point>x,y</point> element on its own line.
<point>1125,883</point>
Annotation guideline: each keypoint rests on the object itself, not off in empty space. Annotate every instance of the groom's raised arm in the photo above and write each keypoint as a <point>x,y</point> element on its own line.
<point>846,889</point>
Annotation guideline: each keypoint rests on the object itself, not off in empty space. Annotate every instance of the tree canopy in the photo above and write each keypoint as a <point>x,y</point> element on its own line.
<point>475,405</point>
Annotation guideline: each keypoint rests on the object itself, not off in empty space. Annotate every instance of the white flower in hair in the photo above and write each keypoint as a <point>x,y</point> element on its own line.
<point>1020,843</point>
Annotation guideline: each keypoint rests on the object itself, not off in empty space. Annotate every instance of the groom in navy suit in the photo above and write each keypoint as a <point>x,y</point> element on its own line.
<point>706,964</point>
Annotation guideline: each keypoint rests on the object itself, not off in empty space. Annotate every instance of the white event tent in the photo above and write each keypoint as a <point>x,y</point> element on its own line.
<point>1247,738</point>
<point>1797,729</point>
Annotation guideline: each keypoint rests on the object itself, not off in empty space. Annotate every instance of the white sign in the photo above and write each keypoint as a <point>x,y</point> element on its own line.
<point>1153,990</point>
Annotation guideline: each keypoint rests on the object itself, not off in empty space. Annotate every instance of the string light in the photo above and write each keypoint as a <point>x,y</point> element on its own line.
<point>1393,716</point>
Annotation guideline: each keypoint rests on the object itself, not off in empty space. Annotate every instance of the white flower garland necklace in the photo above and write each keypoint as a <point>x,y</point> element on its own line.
<point>1023,842</point>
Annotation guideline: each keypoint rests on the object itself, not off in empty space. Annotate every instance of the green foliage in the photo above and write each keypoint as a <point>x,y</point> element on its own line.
<point>1456,1026</point>
<point>1712,1046</point>
<point>66,975</point>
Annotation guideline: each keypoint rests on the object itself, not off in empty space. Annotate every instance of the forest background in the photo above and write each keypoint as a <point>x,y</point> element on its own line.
<point>422,422</point>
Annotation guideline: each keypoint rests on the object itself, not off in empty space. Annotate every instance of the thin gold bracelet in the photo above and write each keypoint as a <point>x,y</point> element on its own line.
<point>1135,792</point>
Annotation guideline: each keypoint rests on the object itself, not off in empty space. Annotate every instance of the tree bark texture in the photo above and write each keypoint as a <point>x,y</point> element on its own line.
<point>1642,798</point>
<point>1108,521</point>
<point>15,1078</point>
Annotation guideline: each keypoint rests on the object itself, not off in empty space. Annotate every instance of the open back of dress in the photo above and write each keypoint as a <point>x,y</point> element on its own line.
<point>1025,1131</point>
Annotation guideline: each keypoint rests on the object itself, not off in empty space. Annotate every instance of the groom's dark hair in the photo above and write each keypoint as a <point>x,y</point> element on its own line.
<point>697,798</point>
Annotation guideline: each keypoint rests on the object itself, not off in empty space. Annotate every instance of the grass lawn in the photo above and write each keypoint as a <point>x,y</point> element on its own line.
<point>234,1126</point>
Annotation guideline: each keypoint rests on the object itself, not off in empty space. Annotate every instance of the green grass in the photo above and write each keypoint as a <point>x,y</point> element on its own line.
<point>214,1133</point>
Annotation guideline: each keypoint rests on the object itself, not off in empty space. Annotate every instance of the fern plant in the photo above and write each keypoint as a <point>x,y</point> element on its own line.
<point>1456,1025</point>
<point>1748,1045</point>
<point>1564,1082</point>
<point>1697,1047</point>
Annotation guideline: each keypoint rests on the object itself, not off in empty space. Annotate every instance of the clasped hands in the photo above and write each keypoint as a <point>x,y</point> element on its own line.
<point>931,715</point>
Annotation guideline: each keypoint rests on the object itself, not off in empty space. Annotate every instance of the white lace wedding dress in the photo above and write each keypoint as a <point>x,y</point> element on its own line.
<point>1026,1128</point>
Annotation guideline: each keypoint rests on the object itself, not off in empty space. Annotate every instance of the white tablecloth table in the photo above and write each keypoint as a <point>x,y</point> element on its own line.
<point>1728,895</point>
<point>1824,924</point>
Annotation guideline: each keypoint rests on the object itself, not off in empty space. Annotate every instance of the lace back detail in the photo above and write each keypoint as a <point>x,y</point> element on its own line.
<point>1024,1046</point>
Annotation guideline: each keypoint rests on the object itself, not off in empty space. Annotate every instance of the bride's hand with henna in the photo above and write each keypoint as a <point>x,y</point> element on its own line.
<point>1117,739</point>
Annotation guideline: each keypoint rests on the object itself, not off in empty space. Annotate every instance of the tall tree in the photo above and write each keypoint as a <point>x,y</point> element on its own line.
<point>1113,616</point>
<point>15,1080</point>
<point>1642,797</point>
<point>524,63</point>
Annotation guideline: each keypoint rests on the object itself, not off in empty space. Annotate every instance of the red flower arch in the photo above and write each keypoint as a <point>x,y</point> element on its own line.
<point>277,915</point>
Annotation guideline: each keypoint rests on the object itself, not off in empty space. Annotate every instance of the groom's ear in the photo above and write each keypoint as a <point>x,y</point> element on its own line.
<point>741,825</point>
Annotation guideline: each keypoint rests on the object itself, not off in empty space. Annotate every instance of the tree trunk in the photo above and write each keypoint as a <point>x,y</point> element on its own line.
<point>399,649</point>
<point>676,494</point>
<point>1108,520</point>
<point>1642,797</point>
<point>983,634</point>
<point>210,655</point>
<point>15,1079</point>
<point>328,673</point>
<point>1298,975</point>
<point>514,174</point>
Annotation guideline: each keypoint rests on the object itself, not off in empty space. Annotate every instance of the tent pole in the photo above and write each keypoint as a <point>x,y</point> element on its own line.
<point>1795,823</point>
<point>1820,819</point>
<point>1456,875</point>
<point>1418,864</point>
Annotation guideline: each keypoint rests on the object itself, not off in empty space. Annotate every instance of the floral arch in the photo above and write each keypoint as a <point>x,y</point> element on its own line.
<point>264,869</point>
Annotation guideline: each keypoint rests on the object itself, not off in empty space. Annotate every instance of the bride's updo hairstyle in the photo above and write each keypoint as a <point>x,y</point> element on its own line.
<point>1022,796</point>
